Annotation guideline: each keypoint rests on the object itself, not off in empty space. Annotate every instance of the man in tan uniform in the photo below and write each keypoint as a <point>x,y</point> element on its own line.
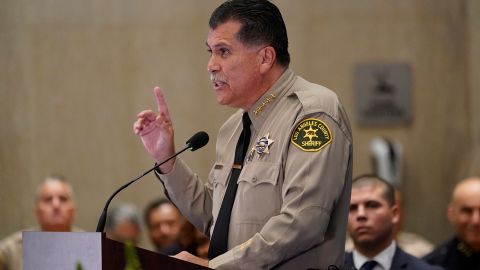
<point>55,212</point>
<point>292,194</point>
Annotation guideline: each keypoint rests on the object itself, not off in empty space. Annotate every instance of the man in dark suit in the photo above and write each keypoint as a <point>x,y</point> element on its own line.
<point>371,222</point>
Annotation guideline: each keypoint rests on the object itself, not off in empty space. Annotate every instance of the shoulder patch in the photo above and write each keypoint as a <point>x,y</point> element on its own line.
<point>311,135</point>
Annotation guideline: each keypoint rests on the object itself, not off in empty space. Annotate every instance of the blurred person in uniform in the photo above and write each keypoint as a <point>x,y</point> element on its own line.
<point>283,159</point>
<point>462,251</point>
<point>124,223</point>
<point>54,210</point>
<point>373,216</point>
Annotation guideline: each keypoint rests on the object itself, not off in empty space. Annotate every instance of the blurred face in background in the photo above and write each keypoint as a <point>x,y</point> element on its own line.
<point>54,207</point>
<point>464,212</point>
<point>164,225</point>
<point>125,231</point>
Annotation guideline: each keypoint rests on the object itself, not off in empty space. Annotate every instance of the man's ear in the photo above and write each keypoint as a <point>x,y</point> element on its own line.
<point>395,214</point>
<point>267,59</point>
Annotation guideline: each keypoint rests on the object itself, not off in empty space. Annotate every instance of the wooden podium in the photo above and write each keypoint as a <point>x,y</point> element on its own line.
<point>64,250</point>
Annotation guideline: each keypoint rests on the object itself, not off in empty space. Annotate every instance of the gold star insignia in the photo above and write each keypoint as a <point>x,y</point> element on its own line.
<point>311,133</point>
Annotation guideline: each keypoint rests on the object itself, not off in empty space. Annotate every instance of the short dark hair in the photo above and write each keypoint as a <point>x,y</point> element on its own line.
<point>154,205</point>
<point>372,180</point>
<point>262,23</point>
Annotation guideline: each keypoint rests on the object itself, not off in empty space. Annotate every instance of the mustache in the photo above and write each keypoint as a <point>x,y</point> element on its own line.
<point>215,77</point>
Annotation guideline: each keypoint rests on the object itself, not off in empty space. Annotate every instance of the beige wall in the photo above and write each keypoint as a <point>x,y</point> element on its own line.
<point>73,75</point>
<point>474,78</point>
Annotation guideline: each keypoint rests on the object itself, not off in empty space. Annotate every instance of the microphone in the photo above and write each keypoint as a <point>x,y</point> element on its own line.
<point>197,141</point>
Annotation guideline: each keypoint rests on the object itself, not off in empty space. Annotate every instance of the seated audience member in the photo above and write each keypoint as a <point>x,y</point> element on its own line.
<point>123,224</point>
<point>411,243</point>
<point>54,210</point>
<point>371,224</point>
<point>164,223</point>
<point>463,250</point>
<point>171,233</point>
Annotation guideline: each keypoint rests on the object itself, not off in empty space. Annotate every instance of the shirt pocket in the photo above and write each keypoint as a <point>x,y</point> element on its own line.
<point>259,192</point>
<point>218,177</point>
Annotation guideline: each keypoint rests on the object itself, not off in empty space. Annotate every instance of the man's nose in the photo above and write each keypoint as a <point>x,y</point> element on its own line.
<point>56,202</point>
<point>212,65</point>
<point>164,229</point>
<point>361,214</point>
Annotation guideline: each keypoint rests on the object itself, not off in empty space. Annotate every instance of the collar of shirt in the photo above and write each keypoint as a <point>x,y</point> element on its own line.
<point>264,105</point>
<point>384,258</point>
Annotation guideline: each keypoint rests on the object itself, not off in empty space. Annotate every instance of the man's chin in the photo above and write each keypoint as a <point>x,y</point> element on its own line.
<point>223,101</point>
<point>364,239</point>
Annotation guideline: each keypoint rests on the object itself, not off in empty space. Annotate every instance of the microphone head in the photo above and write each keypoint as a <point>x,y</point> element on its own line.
<point>199,140</point>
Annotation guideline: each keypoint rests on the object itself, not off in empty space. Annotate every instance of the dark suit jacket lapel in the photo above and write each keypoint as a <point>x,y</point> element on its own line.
<point>348,260</point>
<point>400,260</point>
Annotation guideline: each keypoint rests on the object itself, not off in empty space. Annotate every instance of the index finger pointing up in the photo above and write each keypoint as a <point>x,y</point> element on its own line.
<point>161,103</point>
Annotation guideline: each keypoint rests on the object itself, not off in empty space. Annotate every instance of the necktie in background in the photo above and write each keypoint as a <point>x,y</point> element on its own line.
<point>219,239</point>
<point>368,265</point>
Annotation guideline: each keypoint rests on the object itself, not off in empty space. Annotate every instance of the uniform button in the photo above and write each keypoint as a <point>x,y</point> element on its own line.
<point>254,179</point>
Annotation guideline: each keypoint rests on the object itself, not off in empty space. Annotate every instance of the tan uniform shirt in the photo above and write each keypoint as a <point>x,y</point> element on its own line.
<point>293,195</point>
<point>11,252</point>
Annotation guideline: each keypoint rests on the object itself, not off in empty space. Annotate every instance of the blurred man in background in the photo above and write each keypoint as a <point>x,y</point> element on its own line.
<point>164,223</point>
<point>171,233</point>
<point>463,250</point>
<point>124,224</point>
<point>54,210</point>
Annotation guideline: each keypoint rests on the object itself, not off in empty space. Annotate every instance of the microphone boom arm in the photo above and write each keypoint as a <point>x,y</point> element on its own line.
<point>197,141</point>
<point>103,217</point>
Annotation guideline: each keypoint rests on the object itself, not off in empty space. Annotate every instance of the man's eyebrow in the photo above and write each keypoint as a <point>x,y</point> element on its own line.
<point>220,44</point>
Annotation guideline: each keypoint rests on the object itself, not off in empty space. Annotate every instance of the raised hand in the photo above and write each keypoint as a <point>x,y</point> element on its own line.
<point>156,131</point>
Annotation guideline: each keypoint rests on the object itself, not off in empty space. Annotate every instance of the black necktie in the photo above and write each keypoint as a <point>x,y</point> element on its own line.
<point>219,239</point>
<point>368,265</point>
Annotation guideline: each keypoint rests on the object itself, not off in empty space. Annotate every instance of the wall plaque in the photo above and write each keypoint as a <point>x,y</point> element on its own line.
<point>383,93</point>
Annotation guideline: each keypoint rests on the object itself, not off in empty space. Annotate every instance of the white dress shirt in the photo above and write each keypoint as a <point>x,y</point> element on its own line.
<point>384,259</point>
